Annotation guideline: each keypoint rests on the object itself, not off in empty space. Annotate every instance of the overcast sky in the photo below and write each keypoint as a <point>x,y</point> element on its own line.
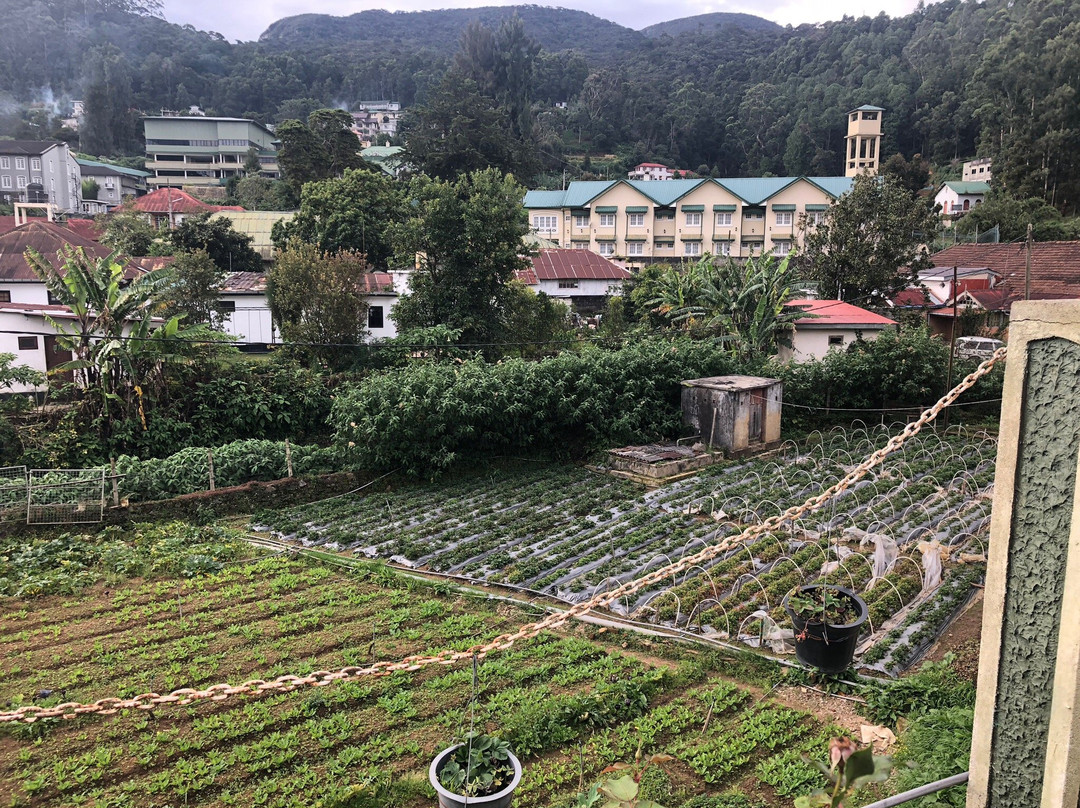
<point>246,19</point>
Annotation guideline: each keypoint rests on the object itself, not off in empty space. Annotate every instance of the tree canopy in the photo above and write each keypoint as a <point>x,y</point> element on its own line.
<point>322,148</point>
<point>466,238</point>
<point>229,249</point>
<point>1012,216</point>
<point>871,242</point>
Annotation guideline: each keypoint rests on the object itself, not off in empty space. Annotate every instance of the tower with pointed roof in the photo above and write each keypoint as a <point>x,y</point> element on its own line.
<point>862,146</point>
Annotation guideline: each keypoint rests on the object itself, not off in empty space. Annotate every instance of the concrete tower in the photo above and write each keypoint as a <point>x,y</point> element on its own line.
<point>863,142</point>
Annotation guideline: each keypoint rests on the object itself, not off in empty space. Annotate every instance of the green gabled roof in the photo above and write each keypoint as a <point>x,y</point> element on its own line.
<point>755,190</point>
<point>545,199</point>
<point>664,192</point>
<point>580,194</point>
<point>868,108</point>
<point>131,172</point>
<point>835,187</point>
<point>973,187</point>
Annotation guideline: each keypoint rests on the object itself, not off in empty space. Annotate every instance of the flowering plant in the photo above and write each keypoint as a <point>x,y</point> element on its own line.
<point>849,769</point>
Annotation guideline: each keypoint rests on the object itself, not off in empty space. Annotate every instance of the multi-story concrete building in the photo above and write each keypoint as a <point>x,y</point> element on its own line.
<point>201,151</point>
<point>979,170</point>
<point>863,141</point>
<point>638,222</point>
<point>115,184</point>
<point>373,119</point>
<point>40,171</point>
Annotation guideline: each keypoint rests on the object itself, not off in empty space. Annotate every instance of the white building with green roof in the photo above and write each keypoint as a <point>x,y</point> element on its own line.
<point>957,198</point>
<point>637,222</point>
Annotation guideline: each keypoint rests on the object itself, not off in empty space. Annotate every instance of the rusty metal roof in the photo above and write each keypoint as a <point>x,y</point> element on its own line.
<point>557,265</point>
<point>47,238</point>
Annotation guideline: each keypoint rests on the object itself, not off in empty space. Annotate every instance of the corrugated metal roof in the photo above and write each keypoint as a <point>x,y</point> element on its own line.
<point>109,168</point>
<point>172,200</point>
<point>833,313</point>
<point>544,199</point>
<point>1055,266</point>
<point>258,224</point>
<point>240,283</point>
<point>554,265</point>
<point>665,192</point>
<point>31,147</point>
<point>47,238</point>
<point>868,108</point>
<point>580,194</point>
<point>755,190</point>
<point>527,277</point>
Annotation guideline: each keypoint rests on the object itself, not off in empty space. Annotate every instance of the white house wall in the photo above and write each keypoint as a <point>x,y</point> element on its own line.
<point>811,344</point>
<point>28,325</point>
<point>26,292</point>
<point>585,288</point>
<point>251,320</point>
<point>389,329</point>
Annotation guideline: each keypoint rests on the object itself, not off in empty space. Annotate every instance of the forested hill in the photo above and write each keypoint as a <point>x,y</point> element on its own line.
<point>711,23</point>
<point>556,29</point>
<point>957,78</point>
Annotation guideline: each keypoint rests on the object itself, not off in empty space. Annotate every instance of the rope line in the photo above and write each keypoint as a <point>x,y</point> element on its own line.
<point>287,683</point>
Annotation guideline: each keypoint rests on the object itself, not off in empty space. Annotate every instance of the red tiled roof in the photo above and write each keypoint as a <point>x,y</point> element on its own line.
<point>173,200</point>
<point>835,313</point>
<point>47,238</point>
<point>375,282</point>
<point>1055,266</point>
<point>527,277</point>
<point>562,264</point>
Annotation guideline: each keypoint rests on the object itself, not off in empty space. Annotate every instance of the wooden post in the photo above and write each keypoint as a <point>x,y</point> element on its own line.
<point>1026,743</point>
<point>210,461</point>
<point>288,457</point>
<point>115,487</point>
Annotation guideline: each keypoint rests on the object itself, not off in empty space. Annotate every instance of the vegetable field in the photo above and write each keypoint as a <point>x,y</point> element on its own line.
<point>570,704</point>
<point>569,533</point>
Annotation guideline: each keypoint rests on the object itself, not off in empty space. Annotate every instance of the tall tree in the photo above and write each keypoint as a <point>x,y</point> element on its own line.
<point>322,148</point>
<point>229,249</point>
<point>466,237</point>
<point>1012,216</point>
<point>318,302</point>
<point>872,240</point>
<point>353,213</point>
<point>196,289</point>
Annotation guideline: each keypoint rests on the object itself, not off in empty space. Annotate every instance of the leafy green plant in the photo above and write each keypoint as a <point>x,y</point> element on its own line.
<point>935,685</point>
<point>850,769</point>
<point>479,767</point>
<point>824,605</point>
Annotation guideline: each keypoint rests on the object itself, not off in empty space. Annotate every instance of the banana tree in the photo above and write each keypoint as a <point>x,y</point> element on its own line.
<point>117,342</point>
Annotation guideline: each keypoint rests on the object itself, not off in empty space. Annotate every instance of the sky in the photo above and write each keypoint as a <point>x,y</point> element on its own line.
<point>246,19</point>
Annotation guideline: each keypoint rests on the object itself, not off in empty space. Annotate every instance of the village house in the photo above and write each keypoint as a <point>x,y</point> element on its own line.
<point>165,208</point>
<point>651,171</point>
<point>580,278</point>
<point>957,198</point>
<point>637,222</point>
<point>114,185</point>
<point>830,325</point>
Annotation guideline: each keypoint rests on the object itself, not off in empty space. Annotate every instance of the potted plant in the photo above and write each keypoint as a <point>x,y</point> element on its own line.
<point>482,771</point>
<point>827,622</point>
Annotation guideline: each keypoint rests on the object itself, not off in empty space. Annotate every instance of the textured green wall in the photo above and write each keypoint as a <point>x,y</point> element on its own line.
<point>1042,513</point>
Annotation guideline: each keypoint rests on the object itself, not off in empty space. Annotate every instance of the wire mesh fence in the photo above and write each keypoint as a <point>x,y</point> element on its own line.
<point>65,496</point>
<point>12,493</point>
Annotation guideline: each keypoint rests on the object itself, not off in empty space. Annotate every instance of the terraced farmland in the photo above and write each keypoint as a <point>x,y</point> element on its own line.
<point>570,532</point>
<point>570,703</point>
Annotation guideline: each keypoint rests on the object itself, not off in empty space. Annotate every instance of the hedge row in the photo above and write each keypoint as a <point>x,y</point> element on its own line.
<point>235,463</point>
<point>425,417</point>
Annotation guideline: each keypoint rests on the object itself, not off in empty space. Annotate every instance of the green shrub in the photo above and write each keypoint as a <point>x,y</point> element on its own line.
<point>935,685</point>
<point>729,799</point>
<point>235,463</point>
<point>424,417</point>
<point>935,746</point>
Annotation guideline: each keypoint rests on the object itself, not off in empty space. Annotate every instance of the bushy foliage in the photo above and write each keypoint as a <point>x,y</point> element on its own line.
<point>69,562</point>
<point>934,686</point>
<point>424,417</point>
<point>235,463</point>
<point>935,746</point>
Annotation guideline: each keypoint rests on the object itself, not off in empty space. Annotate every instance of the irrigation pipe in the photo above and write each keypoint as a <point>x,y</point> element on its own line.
<point>290,682</point>
<point>921,791</point>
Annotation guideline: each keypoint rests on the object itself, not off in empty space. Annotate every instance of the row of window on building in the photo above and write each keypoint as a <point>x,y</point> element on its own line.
<point>784,218</point>
<point>636,249</point>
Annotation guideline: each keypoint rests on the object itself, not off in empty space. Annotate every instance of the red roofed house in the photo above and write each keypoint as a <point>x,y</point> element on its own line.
<point>24,300</point>
<point>168,207</point>
<point>834,325</point>
<point>580,278</point>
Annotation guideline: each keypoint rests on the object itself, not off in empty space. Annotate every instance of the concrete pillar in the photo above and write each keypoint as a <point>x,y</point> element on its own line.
<point>1026,745</point>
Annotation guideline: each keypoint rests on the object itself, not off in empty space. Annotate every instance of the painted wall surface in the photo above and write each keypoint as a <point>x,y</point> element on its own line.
<point>9,343</point>
<point>1045,482</point>
<point>251,320</point>
<point>26,292</point>
<point>585,288</point>
<point>389,329</point>
<point>809,344</point>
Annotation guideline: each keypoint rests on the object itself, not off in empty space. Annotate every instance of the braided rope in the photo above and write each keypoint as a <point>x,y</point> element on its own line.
<point>287,683</point>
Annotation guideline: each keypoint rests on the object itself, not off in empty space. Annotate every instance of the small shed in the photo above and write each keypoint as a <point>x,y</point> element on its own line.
<point>736,414</point>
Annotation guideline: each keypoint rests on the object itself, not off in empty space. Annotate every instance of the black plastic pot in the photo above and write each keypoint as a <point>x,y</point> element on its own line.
<point>448,799</point>
<point>826,647</point>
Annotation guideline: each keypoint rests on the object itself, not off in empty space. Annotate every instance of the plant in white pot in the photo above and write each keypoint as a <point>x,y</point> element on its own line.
<point>481,771</point>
